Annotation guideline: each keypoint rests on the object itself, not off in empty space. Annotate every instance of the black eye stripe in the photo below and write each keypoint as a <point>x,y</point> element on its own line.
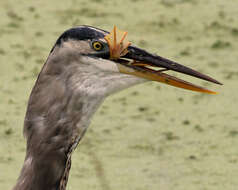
<point>83,32</point>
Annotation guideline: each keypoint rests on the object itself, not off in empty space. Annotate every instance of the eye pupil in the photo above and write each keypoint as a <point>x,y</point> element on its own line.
<point>97,46</point>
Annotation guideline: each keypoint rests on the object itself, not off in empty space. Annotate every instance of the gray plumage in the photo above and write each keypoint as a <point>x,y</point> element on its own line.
<point>67,92</point>
<point>77,76</point>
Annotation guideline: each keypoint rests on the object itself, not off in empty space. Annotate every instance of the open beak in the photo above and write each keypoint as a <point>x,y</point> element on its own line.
<point>153,67</point>
<point>138,62</point>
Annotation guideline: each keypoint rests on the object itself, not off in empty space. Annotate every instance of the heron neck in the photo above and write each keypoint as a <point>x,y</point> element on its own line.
<point>56,119</point>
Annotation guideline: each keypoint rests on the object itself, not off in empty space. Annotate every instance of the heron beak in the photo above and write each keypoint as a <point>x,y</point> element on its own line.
<point>138,62</point>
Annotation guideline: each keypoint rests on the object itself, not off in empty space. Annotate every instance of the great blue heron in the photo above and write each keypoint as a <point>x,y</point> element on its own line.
<point>85,65</point>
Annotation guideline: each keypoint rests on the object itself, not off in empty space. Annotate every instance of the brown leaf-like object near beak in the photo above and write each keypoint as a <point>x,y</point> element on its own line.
<point>117,43</point>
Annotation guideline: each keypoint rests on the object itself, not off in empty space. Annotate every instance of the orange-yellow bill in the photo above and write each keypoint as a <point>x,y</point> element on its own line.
<point>163,78</point>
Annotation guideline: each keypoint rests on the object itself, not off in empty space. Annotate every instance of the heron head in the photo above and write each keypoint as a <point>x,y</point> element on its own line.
<point>109,58</point>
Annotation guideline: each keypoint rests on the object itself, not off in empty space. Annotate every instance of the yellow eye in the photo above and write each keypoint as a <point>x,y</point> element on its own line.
<point>97,46</point>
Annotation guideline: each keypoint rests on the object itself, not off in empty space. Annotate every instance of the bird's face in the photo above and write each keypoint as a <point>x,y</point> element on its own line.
<point>112,54</point>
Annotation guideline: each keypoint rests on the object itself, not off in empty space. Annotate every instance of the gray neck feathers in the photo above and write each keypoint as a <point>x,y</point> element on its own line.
<point>57,117</point>
<point>68,91</point>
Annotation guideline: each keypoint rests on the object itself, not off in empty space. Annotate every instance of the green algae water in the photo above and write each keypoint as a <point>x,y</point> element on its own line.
<point>148,137</point>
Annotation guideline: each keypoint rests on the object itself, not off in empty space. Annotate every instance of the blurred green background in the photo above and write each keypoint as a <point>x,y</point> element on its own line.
<point>148,137</point>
